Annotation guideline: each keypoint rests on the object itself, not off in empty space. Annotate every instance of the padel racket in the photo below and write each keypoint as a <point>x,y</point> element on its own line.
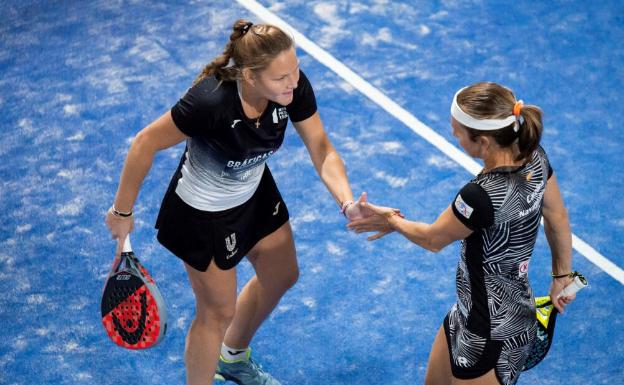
<point>133,310</point>
<point>546,315</point>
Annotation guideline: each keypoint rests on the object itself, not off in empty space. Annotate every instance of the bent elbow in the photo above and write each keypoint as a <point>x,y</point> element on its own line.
<point>143,143</point>
<point>433,247</point>
<point>140,140</point>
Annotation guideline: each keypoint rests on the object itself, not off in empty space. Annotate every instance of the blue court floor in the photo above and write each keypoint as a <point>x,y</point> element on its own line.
<point>80,79</point>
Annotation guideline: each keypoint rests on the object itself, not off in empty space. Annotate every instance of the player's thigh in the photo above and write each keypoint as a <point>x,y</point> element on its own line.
<point>439,365</point>
<point>274,258</point>
<point>214,289</point>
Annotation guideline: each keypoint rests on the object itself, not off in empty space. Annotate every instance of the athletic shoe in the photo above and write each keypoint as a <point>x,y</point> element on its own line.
<point>244,372</point>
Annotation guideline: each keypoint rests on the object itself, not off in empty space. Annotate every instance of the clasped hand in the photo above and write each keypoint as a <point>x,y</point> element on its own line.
<point>366,217</point>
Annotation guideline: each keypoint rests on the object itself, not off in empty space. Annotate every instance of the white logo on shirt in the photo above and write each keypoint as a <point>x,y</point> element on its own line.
<point>234,122</point>
<point>280,113</point>
<point>536,194</point>
<point>249,161</point>
<point>462,207</point>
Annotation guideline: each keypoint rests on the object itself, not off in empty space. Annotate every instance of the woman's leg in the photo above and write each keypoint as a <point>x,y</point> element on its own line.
<point>439,366</point>
<point>275,262</point>
<point>215,297</point>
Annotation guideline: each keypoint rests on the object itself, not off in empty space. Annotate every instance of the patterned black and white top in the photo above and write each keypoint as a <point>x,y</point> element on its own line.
<point>494,299</point>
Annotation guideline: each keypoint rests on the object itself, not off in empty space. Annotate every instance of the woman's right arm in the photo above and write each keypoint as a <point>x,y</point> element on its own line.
<point>160,134</point>
<point>559,236</point>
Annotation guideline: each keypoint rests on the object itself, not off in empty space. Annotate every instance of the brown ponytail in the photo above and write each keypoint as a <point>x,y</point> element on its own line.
<point>530,132</point>
<point>489,100</point>
<point>251,46</point>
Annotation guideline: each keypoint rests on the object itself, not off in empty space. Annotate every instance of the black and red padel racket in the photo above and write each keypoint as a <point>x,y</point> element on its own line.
<point>133,310</point>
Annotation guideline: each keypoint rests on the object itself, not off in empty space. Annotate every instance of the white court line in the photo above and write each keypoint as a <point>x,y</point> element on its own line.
<point>409,120</point>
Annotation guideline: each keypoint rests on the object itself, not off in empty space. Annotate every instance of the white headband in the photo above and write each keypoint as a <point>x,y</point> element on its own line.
<point>480,124</point>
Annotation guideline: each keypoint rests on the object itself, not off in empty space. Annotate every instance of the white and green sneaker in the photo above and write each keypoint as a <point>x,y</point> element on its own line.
<point>243,372</point>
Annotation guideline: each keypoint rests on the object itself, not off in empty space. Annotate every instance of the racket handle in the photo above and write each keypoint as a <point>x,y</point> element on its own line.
<point>127,247</point>
<point>573,287</point>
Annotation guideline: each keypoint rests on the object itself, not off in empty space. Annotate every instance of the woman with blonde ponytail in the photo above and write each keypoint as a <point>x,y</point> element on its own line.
<point>487,335</point>
<point>222,203</point>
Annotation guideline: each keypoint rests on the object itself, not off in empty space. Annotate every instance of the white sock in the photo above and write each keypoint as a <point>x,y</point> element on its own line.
<point>232,354</point>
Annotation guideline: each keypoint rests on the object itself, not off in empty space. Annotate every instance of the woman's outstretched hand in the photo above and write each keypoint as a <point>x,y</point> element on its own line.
<point>378,220</point>
<point>357,209</point>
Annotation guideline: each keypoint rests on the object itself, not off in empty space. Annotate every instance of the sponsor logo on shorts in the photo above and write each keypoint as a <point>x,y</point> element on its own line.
<point>463,208</point>
<point>230,245</point>
<point>276,208</point>
<point>462,361</point>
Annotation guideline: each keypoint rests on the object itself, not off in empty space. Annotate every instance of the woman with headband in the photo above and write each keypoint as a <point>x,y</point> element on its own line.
<point>487,335</point>
<point>222,203</point>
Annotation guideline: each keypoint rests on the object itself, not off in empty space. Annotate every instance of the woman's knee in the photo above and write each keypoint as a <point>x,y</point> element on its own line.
<point>215,295</point>
<point>219,316</point>
<point>286,279</point>
<point>291,278</point>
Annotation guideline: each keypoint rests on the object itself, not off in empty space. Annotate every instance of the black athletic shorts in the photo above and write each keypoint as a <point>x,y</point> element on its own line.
<point>197,237</point>
<point>473,355</point>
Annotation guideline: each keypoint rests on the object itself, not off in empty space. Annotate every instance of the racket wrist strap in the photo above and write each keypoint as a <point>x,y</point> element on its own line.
<point>555,276</point>
<point>118,213</point>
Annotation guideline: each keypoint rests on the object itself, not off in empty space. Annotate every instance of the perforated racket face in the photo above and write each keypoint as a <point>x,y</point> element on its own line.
<point>132,310</point>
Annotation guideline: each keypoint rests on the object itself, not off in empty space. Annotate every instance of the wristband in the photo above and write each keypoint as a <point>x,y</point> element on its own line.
<point>118,213</point>
<point>393,213</point>
<point>345,205</point>
<point>555,276</point>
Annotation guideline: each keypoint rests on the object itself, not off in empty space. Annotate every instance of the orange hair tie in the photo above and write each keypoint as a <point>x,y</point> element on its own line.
<point>517,107</point>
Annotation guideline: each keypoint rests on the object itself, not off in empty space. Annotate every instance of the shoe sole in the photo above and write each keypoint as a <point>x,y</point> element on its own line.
<point>222,377</point>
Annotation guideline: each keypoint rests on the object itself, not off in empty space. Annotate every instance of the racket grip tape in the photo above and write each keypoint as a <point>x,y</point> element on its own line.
<point>126,246</point>
<point>577,284</point>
